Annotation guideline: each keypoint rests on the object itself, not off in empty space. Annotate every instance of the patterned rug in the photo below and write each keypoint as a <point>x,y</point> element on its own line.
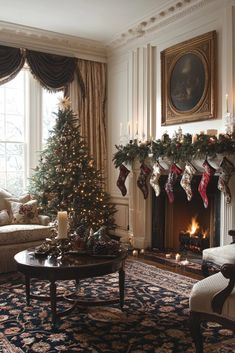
<point>154,319</point>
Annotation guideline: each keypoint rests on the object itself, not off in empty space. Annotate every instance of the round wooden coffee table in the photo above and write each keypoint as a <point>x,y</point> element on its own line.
<point>71,266</point>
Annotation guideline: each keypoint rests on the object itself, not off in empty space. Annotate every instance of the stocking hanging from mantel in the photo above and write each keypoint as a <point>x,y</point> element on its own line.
<point>186,179</point>
<point>123,173</point>
<point>226,169</point>
<point>175,171</point>
<point>207,175</point>
<point>154,179</point>
<point>142,179</point>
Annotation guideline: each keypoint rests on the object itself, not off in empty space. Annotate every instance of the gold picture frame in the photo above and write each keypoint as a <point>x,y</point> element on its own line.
<point>188,80</point>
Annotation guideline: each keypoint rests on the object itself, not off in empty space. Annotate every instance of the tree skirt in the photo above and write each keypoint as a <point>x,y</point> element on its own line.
<point>154,319</point>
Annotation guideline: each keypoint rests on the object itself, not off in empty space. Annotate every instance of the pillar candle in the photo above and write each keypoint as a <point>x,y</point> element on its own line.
<point>62,218</point>
<point>177,257</point>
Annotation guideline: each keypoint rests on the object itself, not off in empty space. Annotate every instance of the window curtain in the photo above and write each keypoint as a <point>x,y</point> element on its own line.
<point>90,105</point>
<point>11,62</point>
<point>54,72</point>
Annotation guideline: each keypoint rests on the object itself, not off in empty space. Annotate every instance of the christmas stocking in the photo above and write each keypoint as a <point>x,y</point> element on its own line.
<point>206,177</point>
<point>175,171</point>
<point>155,178</point>
<point>123,172</point>
<point>142,179</point>
<point>186,179</point>
<point>226,170</point>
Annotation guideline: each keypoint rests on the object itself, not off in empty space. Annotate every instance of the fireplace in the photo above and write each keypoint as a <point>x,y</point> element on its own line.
<point>171,221</point>
<point>150,220</point>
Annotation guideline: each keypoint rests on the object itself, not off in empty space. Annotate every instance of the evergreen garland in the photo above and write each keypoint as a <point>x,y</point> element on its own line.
<point>178,148</point>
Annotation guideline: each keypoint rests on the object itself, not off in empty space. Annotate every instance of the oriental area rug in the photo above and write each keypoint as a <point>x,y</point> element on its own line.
<point>154,319</point>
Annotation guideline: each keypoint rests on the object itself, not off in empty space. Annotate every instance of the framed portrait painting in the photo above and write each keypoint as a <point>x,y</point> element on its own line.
<point>188,80</point>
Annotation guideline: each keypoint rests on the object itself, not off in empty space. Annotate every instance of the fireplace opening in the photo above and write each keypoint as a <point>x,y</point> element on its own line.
<point>170,221</point>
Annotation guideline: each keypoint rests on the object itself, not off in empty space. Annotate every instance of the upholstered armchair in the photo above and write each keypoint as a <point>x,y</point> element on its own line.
<point>214,258</point>
<point>212,299</point>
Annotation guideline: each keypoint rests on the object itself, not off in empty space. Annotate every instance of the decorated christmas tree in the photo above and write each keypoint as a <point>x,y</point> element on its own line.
<point>67,179</point>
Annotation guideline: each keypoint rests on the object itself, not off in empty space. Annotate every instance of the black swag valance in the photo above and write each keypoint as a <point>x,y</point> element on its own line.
<point>54,72</point>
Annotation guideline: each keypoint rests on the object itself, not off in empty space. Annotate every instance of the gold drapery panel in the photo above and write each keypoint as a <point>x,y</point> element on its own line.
<point>90,105</point>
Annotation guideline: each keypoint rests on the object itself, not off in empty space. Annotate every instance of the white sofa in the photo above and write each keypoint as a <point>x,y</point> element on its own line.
<point>18,237</point>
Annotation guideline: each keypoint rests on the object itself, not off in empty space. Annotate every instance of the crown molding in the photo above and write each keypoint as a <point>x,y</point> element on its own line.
<point>166,15</point>
<point>51,42</point>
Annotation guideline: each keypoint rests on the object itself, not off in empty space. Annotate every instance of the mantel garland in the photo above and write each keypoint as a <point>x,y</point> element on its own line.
<point>179,148</point>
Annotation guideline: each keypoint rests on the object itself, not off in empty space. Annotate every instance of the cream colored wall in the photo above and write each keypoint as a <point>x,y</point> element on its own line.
<point>134,94</point>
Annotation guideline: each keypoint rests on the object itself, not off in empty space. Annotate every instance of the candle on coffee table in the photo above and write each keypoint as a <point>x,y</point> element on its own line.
<point>62,218</point>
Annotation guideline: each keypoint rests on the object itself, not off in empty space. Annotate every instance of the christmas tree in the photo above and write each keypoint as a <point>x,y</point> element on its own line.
<point>67,179</point>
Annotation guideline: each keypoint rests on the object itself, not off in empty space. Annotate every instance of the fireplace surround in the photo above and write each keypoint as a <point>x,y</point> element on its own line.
<point>141,211</point>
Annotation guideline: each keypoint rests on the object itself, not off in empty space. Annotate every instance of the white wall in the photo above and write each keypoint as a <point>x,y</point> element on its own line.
<point>134,82</point>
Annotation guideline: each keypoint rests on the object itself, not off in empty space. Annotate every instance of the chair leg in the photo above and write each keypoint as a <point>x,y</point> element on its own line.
<point>195,329</point>
<point>205,269</point>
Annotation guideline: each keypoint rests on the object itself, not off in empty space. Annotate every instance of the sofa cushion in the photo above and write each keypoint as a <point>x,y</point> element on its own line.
<point>23,233</point>
<point>220,255</point>
<point>4,218</point>
<point>24,213</point>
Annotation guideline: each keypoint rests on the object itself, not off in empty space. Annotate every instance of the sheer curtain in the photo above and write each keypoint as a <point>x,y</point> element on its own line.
<point>90,105</point>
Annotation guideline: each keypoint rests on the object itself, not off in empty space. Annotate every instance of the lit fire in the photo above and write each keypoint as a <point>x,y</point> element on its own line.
<point>194,227</point>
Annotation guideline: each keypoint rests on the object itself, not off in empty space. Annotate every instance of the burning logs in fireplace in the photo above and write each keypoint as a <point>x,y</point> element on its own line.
<point>195,243</point>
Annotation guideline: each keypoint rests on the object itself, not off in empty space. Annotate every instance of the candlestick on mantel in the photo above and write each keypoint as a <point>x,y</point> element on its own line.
<point>62,217</point>
<point>129,129</point>
<point>121,133</point>
<point>226,99</point>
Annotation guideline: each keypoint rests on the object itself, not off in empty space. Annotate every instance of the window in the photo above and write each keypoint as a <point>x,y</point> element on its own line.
<point>25,120</point>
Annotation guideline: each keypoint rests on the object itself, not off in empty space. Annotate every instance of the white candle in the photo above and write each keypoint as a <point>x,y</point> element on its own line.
<point>137,128</point>
<point>135,252</point>
<point>185,262</point>
<point>120,129</point>
<point>62,218</point>
<point>177,257</point>
<point>142,251</point>
<point>226,99</point>
<point>129,129</point>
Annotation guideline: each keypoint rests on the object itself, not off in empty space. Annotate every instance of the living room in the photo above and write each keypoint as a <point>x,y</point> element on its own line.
<point>140,141</point>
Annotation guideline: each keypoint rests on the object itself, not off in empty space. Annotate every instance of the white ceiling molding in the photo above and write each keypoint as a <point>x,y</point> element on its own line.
<point>51,42</point>
<point>178,9</point>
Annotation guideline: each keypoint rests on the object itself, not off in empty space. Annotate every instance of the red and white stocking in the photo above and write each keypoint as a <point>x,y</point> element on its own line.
<point>154,179</point>
<point>226,169</point>
<point>207,175</point>
<point>186,179</point>
<point>175,171</point>
<point>123,173</point>
<point>142,179</point>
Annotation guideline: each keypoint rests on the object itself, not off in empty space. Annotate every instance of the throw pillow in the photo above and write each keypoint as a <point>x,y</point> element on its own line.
<point>22,199</point>
<point>24,213</point>
<point>4,194</point>
<point>4,218</point>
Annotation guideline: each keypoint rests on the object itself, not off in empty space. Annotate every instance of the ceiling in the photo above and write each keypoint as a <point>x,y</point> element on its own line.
<point>99,20</point>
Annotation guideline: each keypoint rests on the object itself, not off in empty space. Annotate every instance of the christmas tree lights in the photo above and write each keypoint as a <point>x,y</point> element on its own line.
<point>66,178</point>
